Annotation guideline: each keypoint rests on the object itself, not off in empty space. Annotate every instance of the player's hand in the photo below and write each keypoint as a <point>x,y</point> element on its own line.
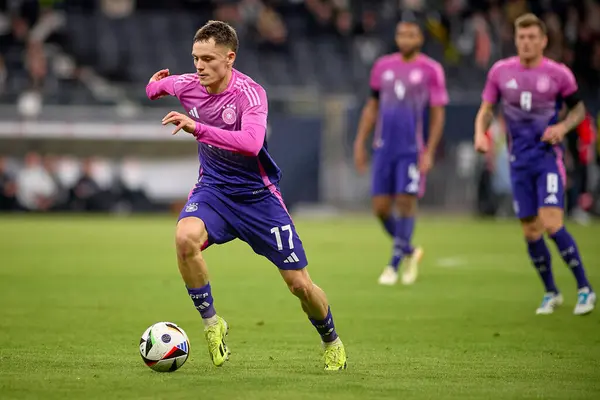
<point>361,161</point>
<point>181,121</point>
<point>481,144</point>
<point>163,73</point>
<point>425,162</point>
<point>554,134</point>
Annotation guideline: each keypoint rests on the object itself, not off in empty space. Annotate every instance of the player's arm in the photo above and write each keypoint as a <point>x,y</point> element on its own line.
<point>367,122</point>
<point>248,141</point>
<point>438,98</point>
<point>485,115</point>
<point>366,125</point>
<point>161,84</point>
<point>483,120</point>
<point>576,109</point>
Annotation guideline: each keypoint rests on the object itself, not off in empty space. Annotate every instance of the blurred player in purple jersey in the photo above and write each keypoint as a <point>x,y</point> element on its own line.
<point>531,89</point>
<point>408,92</point>
<point>237,193</point>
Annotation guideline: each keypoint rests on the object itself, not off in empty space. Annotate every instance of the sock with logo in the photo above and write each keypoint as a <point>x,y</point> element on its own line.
<point>570,254</point>
<point>542,261</point>
<point>389,223</point>
<point>404,231</point>
<point>203,300</point>
<point>325,327</point>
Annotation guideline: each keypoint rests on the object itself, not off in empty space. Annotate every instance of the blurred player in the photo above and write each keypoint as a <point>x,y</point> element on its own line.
<point>237,193</point>
<point>531,89</point>
<point>408,92</point>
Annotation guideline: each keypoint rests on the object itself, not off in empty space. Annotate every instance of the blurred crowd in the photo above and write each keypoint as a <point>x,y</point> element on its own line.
<point>52,183</point>
<point>470,31</point>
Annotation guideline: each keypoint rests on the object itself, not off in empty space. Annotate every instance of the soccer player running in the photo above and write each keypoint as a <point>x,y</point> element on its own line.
<point>531,89</point>
<point>408,92</point>
<point>237,193</point>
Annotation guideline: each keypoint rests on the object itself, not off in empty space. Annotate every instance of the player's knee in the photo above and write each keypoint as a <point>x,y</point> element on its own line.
<point>382,206</point>
<point>189,238</point>
<point>552,226</point>
<point>552,220</point>
<point>406,205</point>
<point>532,228</point>
<point>301,288</point>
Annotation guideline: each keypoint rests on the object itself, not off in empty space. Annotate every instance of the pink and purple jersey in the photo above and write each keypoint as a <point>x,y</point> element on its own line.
<point>531,99</point>
<point>406,91</point>
<point>230,130</point>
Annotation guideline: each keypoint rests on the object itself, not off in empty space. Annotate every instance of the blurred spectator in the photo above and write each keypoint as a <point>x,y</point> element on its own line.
<point>87,195</point>
<point>8,188</point>
<point>36,190</point>
<point>61,197</point>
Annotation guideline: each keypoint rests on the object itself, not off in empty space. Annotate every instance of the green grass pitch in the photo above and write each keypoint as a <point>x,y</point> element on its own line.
<point>77,293</point>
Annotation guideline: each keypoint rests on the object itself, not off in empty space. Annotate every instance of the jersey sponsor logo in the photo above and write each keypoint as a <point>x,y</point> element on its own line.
<point>543,84</point>
<point>293,258</point>
<point>416,76</point>
<point>388,75</point>
<point>191,207</point>
<point>552,199</point>
<point>512,84</point>
<point>229,115</point>
<point>194,112</point>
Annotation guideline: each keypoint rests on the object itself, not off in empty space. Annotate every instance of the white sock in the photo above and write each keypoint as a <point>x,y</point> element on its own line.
<point>336,342</point>
<point>210,321</point>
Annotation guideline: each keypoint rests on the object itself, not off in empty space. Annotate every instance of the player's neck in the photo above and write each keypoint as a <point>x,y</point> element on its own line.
<point>220,86</point>
<point>409,57</point>
<point>532,63</point>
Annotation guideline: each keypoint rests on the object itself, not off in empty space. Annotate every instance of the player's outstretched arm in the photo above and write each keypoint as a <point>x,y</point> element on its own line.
<point>365,127</point>
<point>483,120</point>
<point>161,84</point>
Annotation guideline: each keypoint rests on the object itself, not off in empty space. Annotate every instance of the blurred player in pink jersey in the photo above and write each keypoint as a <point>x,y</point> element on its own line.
<point>237,193</point>
<point>408,98</point>
<point>531,90</point>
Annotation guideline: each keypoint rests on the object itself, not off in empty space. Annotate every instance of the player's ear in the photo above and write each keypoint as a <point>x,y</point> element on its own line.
<point>230,58</point>
<point>544,41</point>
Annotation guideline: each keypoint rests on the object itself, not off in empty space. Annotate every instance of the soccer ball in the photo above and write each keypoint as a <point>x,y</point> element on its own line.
<point>164,347</point>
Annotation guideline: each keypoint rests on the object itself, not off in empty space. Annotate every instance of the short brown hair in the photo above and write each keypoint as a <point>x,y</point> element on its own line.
<point>527,20</point>
<point>221,32</point>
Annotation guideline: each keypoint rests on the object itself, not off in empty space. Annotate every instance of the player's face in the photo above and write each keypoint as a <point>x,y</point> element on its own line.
<point>212,61</point>
<point>408,38</point>
<point>530,42</point>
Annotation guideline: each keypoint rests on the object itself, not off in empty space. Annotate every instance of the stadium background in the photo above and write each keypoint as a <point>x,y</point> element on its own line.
<point>73,72</point>
<point>77,290</point>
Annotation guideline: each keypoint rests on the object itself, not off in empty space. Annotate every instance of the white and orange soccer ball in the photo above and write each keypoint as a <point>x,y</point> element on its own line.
<point>164,347</point>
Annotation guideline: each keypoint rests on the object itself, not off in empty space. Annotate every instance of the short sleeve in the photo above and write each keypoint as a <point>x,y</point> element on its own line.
<point>568,84</point>
<point>490,91</point>
<point>254,105</point>
<point>375,78</point>
<point>438,94</point>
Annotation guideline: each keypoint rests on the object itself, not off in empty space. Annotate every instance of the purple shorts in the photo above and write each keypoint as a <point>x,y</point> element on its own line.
<point>397,176</point>
<point>263,223</point>
<point>542,185</point>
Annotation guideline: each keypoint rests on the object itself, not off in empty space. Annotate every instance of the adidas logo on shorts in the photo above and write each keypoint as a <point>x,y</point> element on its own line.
<point>293,258</point>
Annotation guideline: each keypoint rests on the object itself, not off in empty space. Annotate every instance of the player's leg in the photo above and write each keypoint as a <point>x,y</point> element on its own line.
<point>269,230</point>
<point>382,191</point>
<point>408,185</point>
<point>525,204</point>
<point>383,209</point>
<point>551,201</point>
<point>407,205</point>
<point>315,305</point>
<point>192,236</point>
